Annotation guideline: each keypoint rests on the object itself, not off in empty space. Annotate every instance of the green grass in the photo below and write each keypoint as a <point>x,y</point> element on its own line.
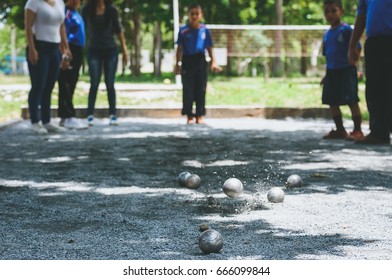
<point>293,92</point>
<point>145,78</point>
<point>275,92</point>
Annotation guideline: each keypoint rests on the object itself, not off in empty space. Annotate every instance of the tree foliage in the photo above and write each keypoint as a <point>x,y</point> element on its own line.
<point>12,12</point>
<point>152,21</point>
<point>217,11</point>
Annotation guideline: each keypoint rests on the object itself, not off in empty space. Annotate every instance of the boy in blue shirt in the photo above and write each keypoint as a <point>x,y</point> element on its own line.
<point>341,80</point>
<point>69,73</point>
<point>376,17</point>
<point>193,39</point>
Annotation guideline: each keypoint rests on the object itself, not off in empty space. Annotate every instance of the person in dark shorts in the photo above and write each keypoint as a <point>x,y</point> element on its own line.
<point>193,39</point>
<point>69,73</point>
<point>376,17</point>
<point>340,84</point>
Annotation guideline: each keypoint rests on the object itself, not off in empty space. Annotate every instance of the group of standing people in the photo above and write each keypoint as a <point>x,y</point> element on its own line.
<point>56,35</point>
<point>52,28</point>
<point>342,49</point>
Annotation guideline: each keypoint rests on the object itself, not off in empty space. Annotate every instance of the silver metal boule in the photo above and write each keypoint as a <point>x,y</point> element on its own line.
<point>294,181</point>
<point>211,241</point>
<point>182,178</point>
<point>275,195</point>
<point>193,181</point>
<point>233,187</point>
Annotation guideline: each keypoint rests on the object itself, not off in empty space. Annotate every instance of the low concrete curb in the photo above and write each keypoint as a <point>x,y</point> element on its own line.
<point>212,112</point>
<point>7,124</point>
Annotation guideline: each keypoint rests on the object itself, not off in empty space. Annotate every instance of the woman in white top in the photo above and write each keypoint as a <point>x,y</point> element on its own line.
<point>45,32</point>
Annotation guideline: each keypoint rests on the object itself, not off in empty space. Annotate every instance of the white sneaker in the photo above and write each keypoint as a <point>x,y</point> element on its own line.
<point>53,128</point>
<point>90,120</point>
<point>38,128</point>
<point>113,120</point>
<point>73,123</point>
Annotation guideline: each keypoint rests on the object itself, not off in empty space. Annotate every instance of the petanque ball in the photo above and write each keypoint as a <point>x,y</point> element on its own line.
<point>233,187</point>
<point>182,178</point>
<point>294,181</point>
<point>275,195</point>
<point>193,181</point>
<point>211,241</point>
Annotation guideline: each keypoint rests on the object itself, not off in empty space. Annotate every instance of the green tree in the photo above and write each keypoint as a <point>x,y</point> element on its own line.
<point>138,17</point>
<point>158,19</point>
<point>12,12</point>
<point>153,19</point>
<point>300,12</point>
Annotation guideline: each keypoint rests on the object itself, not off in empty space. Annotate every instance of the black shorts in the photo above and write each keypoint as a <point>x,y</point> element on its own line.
<point>341,87</point>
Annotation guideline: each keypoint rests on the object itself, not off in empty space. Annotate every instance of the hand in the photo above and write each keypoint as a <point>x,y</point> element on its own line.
<point>65,65</point>
<point>216,68</point>
<point>353,55</point>
<point>67,53</point>
<point>125,58</point>
<point>33,56</point>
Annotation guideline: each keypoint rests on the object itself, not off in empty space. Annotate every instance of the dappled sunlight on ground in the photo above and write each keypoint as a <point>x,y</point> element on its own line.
<point>113,192</point>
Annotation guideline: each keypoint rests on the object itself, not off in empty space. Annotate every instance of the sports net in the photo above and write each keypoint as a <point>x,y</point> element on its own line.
<point>251,48</point>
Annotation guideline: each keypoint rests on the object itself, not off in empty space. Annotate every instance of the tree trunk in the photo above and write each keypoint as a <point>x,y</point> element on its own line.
<point>157,49</point>
<point>137,42</point>
<point>13,49</point>
<point>127,30</point>
<point>304,58</point>
<point>230,50</point>
<point>277,65</point>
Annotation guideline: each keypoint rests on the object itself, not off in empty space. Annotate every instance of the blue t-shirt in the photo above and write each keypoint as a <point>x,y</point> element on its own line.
<point>74,25</point>
<point>378,16</point>
<point>335,46</point>
<point>194,41</point>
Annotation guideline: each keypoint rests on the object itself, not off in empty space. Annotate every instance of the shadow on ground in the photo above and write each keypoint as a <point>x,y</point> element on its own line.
<point>112,192</point>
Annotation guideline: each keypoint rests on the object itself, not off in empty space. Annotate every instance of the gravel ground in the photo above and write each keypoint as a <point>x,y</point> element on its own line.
<point>112,192</point>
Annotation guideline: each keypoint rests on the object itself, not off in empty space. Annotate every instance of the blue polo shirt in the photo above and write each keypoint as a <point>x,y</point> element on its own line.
<point>74,25</point>
<point>194,41</point>
<point>335,46</point>
<point>378,16</point>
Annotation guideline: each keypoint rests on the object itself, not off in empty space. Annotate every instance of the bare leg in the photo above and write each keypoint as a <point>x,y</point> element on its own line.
<point>356,116</point>
<point>337,117</point>
<point>340,132</point>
